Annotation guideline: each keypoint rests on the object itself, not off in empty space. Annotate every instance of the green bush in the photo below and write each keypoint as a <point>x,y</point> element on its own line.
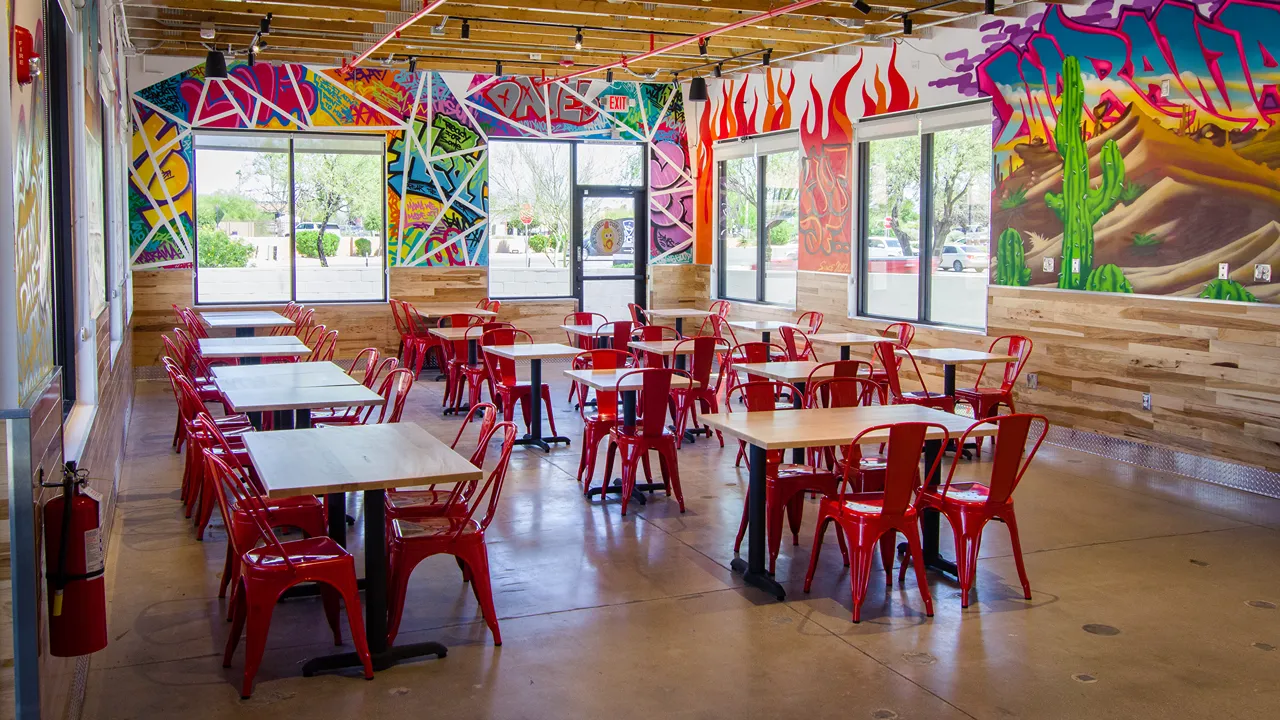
<point>1218,289</point>
<point>215,249</point>
<point>1108,278</point>
<point>539,243</point>
<point>364,248</point>
<point>784,233</point>
<point>306,244</point>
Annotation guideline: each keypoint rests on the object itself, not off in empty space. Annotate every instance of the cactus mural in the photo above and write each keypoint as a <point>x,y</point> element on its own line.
<point>1108,278</point>
<point>1011,260</point>
<point>1079,206</point>
<point>1218,289</point>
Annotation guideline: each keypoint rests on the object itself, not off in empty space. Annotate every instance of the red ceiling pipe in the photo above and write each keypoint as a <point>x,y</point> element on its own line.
<point>798,5</point>
<point>428,7</point>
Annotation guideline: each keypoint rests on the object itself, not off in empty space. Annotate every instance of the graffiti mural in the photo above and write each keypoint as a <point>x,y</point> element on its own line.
<point>1137,150</point>
<point>437,127</point>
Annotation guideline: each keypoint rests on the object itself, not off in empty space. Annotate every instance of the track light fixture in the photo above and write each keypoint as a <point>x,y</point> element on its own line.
<point>497,67</point>
<point>215,65</point>
<point>253,57</point>
<point>413,66</point>
<point>768,56</point>
<point>608,76</point>
<point>719,69</point>
<point>906,24</point>
<point>702,46</point>
<point>577,40</point>
<point>863,7</point>
<point>698,90</point>
<point>264,25</point>
<point>466,29</point>
<point>990,7</point>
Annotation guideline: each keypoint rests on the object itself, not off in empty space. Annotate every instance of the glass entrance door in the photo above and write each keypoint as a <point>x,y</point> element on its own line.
<point>611,250</point>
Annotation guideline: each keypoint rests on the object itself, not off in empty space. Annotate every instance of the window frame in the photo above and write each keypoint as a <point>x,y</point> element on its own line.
<point>925,270</point>
<point>293,222</point>
<point>760,156</point>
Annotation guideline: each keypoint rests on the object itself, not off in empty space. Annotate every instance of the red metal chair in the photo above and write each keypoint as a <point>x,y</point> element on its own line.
<point>502,373</point>
<point>365,363</point>
<point>986,401</point>
<point>399,315</point>
<point>846,391</point>
<point>721,309</point>
<point>190,406</point>
<point>638,315</point>
<point>428,501</point>
<point>313,337</point>
<point>619,333</point>
<point>305,320</point>
<point>325,347</point>
<point>421,344</point>
<point>394,391</point>
<point>370,370</point>
<point>785,483</point>
<point>476,376</point>
<point>597,426</point>
<point>269,567</point>
<point>706,348</point>
<point>810,322</point>
<point>634,443</point>
<point>886,353</point>
<point>291,311</point>
<point>796,343</point>
<point>582,342</point>
<point>969,506</point>
<point>454,353</point>
<point>459,532</point>
<point>653,333</point>
<point>722,329</point>
<point>865,518</point>
<point>903,333</point>
<point>751,352</point>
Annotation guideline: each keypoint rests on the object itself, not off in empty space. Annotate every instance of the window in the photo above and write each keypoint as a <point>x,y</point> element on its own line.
<point>758,194</point>
<point>926,195</point>
<point>530,198</point>
<point>284,217</point>
<point>614,164</point>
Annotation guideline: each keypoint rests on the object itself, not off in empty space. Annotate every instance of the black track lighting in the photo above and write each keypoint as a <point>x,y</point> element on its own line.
<point>413,66</point>
<point>264,25</point>
<point>253,56</point>
<point>577,40</point>
<point>863,7</point>
<point>698,90</point>
<point>990,7</point>
<point>768,55</point>
<point>608,76</point>
<point>719,70</point>
<point>497,67</point>
<point>215,65</point>
<point>466,29</point>
<point>906,24</point>
<point>702,46</point>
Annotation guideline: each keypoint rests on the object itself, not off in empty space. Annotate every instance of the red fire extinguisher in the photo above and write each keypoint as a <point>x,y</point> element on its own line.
<point>74,567</point>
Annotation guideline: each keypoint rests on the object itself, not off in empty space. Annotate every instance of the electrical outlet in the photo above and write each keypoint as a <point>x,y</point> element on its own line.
<point>1262,273</point>
<point>1033,380</point>
<point>1047,264</point>
<point>1165,85</point>
<point>1146,401</point>
<point>1224,271</point>
<point>1075,265</point>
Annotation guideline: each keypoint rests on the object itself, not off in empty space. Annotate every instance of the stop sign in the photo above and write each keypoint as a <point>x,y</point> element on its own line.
<point>888,223</point>
<point>526,214</point>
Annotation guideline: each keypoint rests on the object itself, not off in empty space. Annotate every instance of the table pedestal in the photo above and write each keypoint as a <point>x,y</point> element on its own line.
<point>534,436</point>
<point>639,489</point>
<point>753,570</point>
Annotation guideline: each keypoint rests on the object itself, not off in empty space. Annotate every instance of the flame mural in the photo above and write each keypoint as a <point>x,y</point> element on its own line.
<point>826,174</point>
<point>896,97</point>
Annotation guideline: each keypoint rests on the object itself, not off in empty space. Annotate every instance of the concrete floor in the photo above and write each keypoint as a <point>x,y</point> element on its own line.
<point>611,617</point>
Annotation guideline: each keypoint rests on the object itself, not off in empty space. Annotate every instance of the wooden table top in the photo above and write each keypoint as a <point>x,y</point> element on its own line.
<point>317,377</point>
<point>438,310</point>
<point>661,347</point>
<point>958,356</point>
<point>534,351</point>
<point>245,319</point>
<point>761,325</point>
<point>349,459</point>
<point>608,379</point>
<point>847,338</point>
<point>295,397</point>
<point>271,372</point>
<point>271,346</point>
<point>587,330</point>
<point>791,371</point>
<point>454,334</point>
<point>678,313</point>
<point>821,427</point>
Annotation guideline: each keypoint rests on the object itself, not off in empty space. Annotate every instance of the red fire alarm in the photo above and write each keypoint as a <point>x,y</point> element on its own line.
<point>24,54</point>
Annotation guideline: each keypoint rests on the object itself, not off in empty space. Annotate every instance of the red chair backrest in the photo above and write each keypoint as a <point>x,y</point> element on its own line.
<point>1011,458</point>
<point>754,352</point>
<point>811,320</point>
<point>394,391</point>
<point>483,303</point>
<point>638,315</point>
<point>1019,347</point>
<point>619,333</point>
<point>402,322</point>
<point>502,370</point>
<point>840,392</point>
<point>595,320</point>
<point>387,365</point>
<point>653,333</point>
<point>842,368</point>
<point>904,332</point>
<point>886,353</point>
<point>603,359</point>
<point>655,392</point>
<point>723,329</point>
<point>761,395</point>
<point>366,360</point>
<point>325,347</point>
<point>304,322</point>
<point>902,461</point>
<point>233,494</point>
<point>458,320</point>
<point>721,308</point>
<point>487,421</point>
<point>488,494</point>
<point>796,343</point>
<point>493,305</point>
<point>311,338</point>
<point>705,349</point>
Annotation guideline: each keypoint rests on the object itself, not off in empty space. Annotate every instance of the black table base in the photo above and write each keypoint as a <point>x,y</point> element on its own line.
<point>637,491</point>
<point>753,570</point>
<point>534,437</point>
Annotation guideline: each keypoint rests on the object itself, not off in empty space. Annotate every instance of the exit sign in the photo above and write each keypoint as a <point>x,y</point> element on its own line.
<point>618,103</point>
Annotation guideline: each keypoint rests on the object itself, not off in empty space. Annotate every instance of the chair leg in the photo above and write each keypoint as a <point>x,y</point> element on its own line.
<point>671,470</point>
<point>823,521</point>
<point>629,463</point>
<point>351,598</point>
<point>608,470</point>
<point>237,617</point>
<point>478,561</point>
<point>398,586</point>
<point>973,544</point>
<point>227,569</point>
<point>1012,523</point>
<point>888,546</point>
<point>546,401</point>
<point>774,507</point>
<point>742,454</point>
<point>257,623</point>
<point>859,578</point>
<point>795,515</point>
<point>742,527</point>
<point>917,561</point>
<point>329,598</point>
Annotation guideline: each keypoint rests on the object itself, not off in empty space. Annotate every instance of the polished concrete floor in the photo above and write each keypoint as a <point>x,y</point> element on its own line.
<point>1154,597</point>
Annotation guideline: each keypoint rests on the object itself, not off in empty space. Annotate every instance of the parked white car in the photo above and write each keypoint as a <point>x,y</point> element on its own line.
<point>964,257</point>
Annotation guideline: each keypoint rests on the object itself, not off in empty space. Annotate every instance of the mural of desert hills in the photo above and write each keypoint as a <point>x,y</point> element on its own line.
<point>1191,201</point>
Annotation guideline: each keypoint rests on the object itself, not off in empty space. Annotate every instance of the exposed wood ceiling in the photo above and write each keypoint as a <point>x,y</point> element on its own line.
<point>528,37</point>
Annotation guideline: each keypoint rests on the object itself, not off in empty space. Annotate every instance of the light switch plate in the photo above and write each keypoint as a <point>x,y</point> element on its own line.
<point>1224,271</point>
<point>1033,380</point>
<point>1165,86</point>
<point>1146,401</point>
<point>1048,264</point>
<point>1262,272</point>
<point>1075,265</point>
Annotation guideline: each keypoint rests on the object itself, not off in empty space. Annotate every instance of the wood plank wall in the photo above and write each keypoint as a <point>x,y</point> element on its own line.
<point>1212,367</point>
